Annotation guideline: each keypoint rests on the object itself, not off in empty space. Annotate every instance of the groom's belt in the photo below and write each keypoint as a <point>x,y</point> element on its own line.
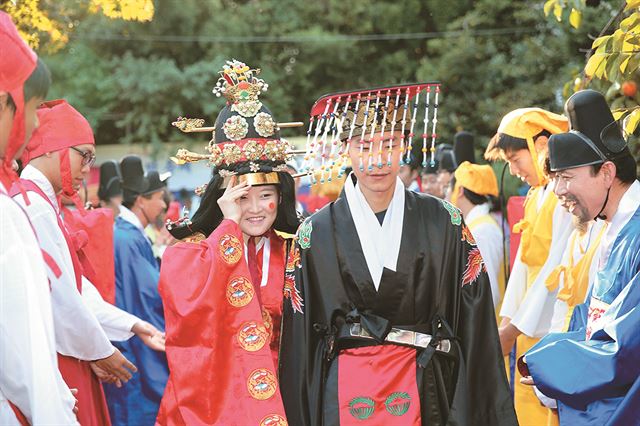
<point>398,336</point>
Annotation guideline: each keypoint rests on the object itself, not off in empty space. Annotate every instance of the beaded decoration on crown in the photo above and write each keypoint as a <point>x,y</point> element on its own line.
<point>339,120</point>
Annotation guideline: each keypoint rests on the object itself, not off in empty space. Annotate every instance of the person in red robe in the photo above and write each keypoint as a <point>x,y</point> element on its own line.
<point>224,284</point>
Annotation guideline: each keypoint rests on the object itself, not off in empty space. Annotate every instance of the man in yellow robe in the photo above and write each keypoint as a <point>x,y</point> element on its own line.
<point>527,308</point>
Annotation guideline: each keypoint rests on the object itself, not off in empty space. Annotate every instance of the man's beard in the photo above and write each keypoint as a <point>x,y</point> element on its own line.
<point>577,210</point>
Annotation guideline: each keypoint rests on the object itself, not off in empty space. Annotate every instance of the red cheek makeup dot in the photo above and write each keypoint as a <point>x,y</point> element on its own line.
<point>272,206</point>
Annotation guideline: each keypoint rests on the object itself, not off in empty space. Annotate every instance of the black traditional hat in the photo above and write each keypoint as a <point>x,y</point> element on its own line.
<point>463,148</point>
<point>246,140</point>
<point>356,117</point>
<point>445,158</point>
<point>135,181</point>
<point>133,178</point>
<point>595,136</point>
<point>110,180</point>
<point>157,181</point>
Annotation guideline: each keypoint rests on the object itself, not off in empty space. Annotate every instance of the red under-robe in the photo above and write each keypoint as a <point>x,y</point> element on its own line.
<point>221,345</point>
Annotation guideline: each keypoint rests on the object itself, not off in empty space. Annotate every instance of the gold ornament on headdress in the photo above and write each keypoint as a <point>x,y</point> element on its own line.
<point>188,125</point>
<point>240,85</point>
<point>231,153</point>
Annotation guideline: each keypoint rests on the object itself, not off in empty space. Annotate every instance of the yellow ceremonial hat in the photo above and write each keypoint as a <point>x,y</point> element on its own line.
<point>525,123</point>
<point>476,178</point>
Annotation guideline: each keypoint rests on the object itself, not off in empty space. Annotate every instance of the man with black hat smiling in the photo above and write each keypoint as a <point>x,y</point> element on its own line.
<point>110,189</point>
<point>137,274</point>
<point>596,178</point>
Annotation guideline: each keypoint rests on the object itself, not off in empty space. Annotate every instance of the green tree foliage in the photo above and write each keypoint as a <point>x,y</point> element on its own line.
<point>612,62</point>
<point>132,79</point>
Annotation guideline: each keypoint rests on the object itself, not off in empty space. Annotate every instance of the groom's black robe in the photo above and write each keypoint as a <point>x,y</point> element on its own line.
<point>438,277</point>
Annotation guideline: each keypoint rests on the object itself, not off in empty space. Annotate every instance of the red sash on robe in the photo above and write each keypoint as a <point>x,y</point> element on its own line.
<point>92,405</point>
<point>377,386</point>
<point>221,342</point>
<point>97,254</point>
<point>22,419</point>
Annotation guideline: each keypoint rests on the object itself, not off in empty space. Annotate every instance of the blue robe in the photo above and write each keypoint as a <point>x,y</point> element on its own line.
<point>596,381</point>
<point>137,274</point>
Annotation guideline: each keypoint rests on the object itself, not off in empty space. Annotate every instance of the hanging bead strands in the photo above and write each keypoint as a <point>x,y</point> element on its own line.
<point>382,128</point>
<point>413,123</point>
<point>405,108</point>
<point>393,126</point>
<point>364,131</point>
<point>426,126</point>
<point>306,160</point>
<point>314,141</point>
<point>433,128</point>
<point>374,122</point>
<point>343,150</point>
<point>328,127</point>
<point>387,111</point>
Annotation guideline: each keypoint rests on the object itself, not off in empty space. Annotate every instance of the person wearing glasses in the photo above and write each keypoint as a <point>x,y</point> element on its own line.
<point>57,159</point>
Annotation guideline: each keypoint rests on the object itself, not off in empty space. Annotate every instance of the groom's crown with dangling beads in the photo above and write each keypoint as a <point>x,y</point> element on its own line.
<point>340,119</point>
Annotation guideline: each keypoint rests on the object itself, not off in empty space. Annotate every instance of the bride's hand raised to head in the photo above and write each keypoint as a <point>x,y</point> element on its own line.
<point>230,201</point>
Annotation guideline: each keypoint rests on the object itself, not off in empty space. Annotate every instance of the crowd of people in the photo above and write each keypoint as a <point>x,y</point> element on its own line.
<point>389,299</point>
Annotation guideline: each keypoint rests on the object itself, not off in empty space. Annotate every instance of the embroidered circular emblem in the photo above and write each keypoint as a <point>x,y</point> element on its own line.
<point>397,404</point>
<point>230,249</point>
<point>264,124</point>
<point>235,128</point>
<point>246,108</point>
<point>239,292</point>
<point>231,153</point>
<point>361,407</point>
<point>274,420</point>
<point>261,384</point>
<point>216,153</point>
<point>252,336</point>
<point>266,319</point>
<point>253,150</point>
